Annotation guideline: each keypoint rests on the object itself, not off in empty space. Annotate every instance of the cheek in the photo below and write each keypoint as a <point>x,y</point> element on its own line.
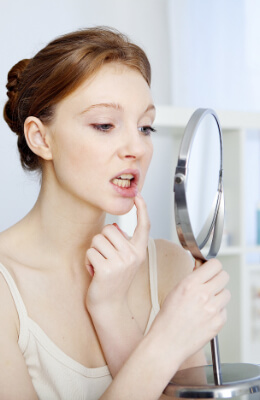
<point>146,163</point>
<point>149,155</point>
<point>70,157</point>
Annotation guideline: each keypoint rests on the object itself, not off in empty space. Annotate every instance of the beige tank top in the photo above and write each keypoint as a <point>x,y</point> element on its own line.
<point>56,376</point>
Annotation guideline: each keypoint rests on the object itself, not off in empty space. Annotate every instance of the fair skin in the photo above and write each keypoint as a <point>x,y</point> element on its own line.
<point>101,131</point>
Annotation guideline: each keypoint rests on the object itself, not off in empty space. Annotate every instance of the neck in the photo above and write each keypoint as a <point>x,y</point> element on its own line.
<point>62,227</point>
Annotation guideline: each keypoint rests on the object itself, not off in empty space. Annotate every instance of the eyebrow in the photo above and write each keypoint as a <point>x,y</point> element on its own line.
<point>112,105</point>
<point>101,105</point>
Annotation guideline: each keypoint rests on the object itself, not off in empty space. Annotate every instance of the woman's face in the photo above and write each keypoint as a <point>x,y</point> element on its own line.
<point>101,139</point>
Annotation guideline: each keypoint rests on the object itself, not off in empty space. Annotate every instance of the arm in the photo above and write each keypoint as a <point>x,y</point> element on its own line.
<point>174,265</point>
<point>15,382</point>
<point>115,260</point>
<point>108,303</point>
<point>190,316</point>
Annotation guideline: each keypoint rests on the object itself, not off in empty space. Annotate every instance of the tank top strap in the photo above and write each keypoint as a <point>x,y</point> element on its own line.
<point>20,307</point>
<point>153,275</point>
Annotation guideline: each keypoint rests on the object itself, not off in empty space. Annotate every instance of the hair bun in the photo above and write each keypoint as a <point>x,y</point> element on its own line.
<point>14,79</point>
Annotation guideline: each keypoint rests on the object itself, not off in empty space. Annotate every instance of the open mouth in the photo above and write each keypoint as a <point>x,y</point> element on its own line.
<point>124,180</point>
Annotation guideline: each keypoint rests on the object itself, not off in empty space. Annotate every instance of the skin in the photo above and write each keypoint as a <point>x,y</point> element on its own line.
<point>61,253</point>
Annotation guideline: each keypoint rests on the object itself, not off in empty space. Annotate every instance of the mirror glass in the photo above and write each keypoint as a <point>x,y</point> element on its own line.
<point>199,200</point>
<point>203,174</point>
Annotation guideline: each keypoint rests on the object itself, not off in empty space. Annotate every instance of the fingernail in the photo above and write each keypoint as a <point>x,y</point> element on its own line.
<point>90,269</point>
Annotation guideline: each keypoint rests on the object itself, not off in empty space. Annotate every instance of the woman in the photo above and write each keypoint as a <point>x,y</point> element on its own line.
<point>79,299</point>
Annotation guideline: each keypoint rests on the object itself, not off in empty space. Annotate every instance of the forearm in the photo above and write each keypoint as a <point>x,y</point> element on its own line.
<point>119,335</point>
<point>145,374</point>
<point>195,360</point>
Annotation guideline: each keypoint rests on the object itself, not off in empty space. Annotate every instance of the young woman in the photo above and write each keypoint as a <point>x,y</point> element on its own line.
<point>86,312</point>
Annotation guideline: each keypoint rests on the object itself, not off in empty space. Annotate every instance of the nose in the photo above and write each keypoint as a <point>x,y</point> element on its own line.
<point>132,144</point>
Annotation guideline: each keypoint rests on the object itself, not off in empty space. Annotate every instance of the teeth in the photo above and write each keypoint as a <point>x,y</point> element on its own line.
<point>126,176</point>
<point>122,182</point>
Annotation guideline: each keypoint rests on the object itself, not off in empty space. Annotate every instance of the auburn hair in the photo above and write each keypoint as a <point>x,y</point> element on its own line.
<point>36,85</point>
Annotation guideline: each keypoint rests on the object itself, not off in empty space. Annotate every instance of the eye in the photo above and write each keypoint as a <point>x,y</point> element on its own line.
<point>147,129</point>
<point>102,127</point>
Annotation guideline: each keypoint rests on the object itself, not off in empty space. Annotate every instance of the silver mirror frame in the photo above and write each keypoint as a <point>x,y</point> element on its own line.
<point>213,227</point>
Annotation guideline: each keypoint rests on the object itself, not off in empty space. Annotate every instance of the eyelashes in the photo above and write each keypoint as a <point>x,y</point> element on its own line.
<point>147,129</point>
<point>103,127</point>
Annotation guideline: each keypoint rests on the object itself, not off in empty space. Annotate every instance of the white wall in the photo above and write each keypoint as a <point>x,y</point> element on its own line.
<point>26,26</point>
<point>209,51</point>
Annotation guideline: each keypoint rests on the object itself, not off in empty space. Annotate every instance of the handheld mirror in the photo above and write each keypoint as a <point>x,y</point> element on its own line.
<point>198,187</point>
<point>199,217</point>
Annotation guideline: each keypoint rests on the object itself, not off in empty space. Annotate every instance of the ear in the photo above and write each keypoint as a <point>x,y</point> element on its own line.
<point>36,134</point>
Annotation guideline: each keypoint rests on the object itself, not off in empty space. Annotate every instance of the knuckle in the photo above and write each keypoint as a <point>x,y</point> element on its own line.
<point>89,253</point>
<point>107,229</point>
<point>228,295</point>
<point>148,224</point>
<point>226,276</point>
<point>130,256</point>
<point>224,316</point>
<point>217,264</point>
<point>96,239</point>
<point>221,320</point>
<point>141,255</point>
<point>204,298</point>
<point>186,285</point>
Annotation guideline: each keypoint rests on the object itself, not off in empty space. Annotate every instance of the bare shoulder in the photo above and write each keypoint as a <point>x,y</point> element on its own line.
<point>173,264</point>
<point>12,363</point>
<point>8,313</point>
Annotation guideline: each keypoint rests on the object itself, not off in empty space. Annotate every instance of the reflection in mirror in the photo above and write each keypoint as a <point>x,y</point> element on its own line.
<point>199,199</point>
<point>203,173</point>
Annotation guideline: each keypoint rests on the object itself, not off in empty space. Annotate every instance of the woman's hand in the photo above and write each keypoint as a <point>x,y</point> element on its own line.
<point>194,312</point>
<point>113,260</point>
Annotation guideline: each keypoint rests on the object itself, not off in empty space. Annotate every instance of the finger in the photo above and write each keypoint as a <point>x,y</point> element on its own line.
<point>120,230</point>
<point>224,298</point>
<point>141,233</point>
<point>115,237</point>
<point>94,259</point>
<point>221,301</point>
<point>218,282</point>
<point>207,271</point>
<point>103,246</point>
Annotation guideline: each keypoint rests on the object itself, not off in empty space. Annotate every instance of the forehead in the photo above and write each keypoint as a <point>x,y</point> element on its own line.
<point>113,82</point>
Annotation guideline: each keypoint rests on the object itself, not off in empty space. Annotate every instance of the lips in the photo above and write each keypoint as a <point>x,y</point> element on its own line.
<point>126,182</point>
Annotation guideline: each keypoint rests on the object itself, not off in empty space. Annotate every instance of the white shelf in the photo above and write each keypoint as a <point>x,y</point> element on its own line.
<point>230,251</point>
<point>252,249</point>
<point>168,116</point>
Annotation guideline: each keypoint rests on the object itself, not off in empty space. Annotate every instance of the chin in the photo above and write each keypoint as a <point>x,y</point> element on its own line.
<point>122,208</point>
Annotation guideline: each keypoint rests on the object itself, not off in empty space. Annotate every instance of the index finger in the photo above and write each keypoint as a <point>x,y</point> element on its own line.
<point>141,233</point>
<point>208,270</point>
